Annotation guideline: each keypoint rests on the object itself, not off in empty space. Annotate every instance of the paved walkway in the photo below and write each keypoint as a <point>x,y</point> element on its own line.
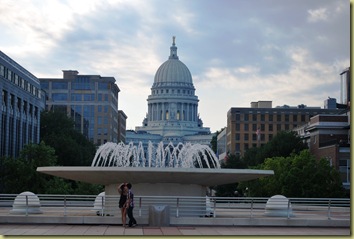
<point>105,230</point>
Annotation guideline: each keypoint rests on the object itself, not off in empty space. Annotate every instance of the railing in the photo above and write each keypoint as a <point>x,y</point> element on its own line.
<point>219,207</point>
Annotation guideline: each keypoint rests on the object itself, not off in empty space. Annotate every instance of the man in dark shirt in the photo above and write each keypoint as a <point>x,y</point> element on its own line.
<point>132,221</point>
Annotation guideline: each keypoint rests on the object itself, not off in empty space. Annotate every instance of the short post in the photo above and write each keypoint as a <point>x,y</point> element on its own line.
<point>329,210</point>
<point>251,207</point>
<point>214,209</point>
<point>26,205</point>
<point>140,207</point>
<point>65,205</point>
<point>288,208</point>
<point>102,204</point>
<point>177,208</point>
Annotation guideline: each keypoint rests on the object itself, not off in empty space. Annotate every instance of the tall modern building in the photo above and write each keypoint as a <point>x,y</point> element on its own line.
<point>90,100</point>
<point>172,107</point>
<point>255,126</point>
<point>345,87</point>
<point>21,103</point>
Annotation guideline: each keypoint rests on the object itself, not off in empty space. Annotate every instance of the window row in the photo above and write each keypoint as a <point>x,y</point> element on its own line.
<point>20,106</point>
<point>254,137</point>
<point>79,97</point>
<point>271,117</point>
<point>263,127</point>
<point>17,80</point>
<point>78,84</point>
<point>173,91</point>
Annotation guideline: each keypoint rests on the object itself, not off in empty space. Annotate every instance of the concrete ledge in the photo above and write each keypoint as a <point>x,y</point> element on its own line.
<point>181,221</point>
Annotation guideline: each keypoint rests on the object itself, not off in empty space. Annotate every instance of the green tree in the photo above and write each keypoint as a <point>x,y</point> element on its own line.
<point>282,145</point>
<point>298,175</point>
<point>228,190</point>
<point>71,147</point>
<point>20,174</point>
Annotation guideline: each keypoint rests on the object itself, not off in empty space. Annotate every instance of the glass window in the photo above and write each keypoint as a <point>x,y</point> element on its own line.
<point>270,117</point>
<point>59,85</point>
<point>76,97</point>
<point>246,127</point>
<point>237,127</point>
<point>254,127</point>
<point>103,86</point>
<point>2,70</point>
<point>89,97</point>
<point>262,127</point>
<point>270,127</point>
<point>278,117</point>
<point>9,74</point>
<point>286,118</point>
<point>44,85</point>
<point>60,96</point>
<point>83,83</point>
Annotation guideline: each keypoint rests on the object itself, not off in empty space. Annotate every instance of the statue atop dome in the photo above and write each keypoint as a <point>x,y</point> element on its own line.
<point>173,49</point>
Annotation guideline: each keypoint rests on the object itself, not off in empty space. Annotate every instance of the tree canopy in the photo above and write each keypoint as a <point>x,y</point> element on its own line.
<point>282,145</point>
<point>19,175</point>
<point>71,147</point>
<point>298,175</point>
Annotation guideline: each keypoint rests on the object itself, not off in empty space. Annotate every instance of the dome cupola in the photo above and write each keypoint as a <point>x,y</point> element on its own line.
<point>173,70</point>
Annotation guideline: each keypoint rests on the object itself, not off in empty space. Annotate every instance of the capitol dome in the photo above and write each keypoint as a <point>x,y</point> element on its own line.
<point>173,70</point>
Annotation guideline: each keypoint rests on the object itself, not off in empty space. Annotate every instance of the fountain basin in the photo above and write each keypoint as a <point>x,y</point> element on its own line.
<point>114,175</point>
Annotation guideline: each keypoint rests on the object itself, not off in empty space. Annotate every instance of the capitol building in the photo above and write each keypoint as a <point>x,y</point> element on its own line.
<point>172,108</point>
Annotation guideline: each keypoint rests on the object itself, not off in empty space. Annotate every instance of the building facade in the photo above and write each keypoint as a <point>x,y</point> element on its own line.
<point>21,102</point>
<point>327,136</point>
<point>172,107</point>
<point>255,126</point>
<point>345,87</point>
<point>122,125</point>
<point>90,100</point>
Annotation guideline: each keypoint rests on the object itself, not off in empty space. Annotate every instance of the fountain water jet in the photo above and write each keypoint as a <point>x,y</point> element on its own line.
<point>180,156</point>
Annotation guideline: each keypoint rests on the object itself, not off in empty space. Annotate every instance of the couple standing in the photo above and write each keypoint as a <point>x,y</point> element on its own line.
<point>126,203</point>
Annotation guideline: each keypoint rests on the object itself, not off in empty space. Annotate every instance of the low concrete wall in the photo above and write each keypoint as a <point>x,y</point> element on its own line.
<point>181,221</point>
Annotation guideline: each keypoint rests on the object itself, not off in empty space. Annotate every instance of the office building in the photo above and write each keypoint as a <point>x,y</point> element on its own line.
<point>255,126</point>
<point>122,125</point>
<point>21,103</point>
<point>90,100</point>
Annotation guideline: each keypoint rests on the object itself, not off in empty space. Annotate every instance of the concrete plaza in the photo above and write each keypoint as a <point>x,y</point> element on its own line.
<point>118,230</point>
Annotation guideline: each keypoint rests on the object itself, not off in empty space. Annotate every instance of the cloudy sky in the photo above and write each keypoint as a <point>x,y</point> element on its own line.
<point>238,51</point>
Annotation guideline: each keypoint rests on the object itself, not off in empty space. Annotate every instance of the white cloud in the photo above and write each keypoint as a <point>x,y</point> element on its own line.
<point>316,15</point>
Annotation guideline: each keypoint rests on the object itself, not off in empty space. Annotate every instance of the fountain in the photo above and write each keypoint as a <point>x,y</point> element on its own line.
<point>180,156</point>
<point>181,170</point>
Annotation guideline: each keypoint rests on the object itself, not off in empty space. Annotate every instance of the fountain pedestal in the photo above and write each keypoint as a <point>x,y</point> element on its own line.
<point>163,191</point>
